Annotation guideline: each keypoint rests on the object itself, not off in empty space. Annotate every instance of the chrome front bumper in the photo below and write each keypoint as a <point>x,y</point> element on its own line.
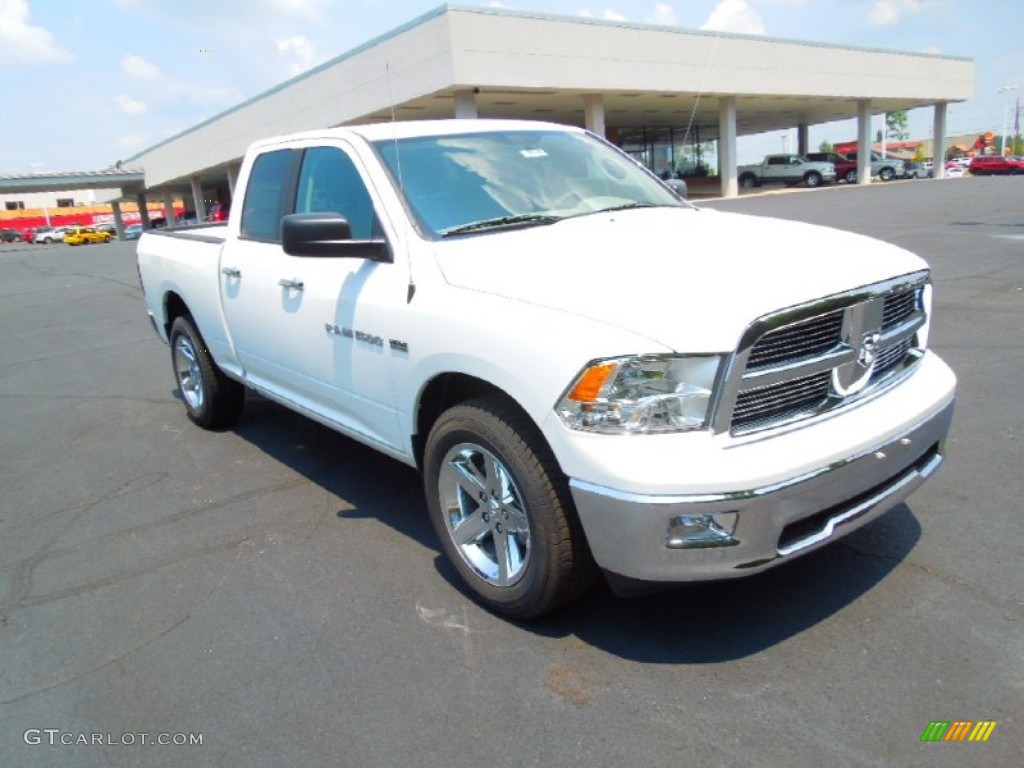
<point>637,536</point>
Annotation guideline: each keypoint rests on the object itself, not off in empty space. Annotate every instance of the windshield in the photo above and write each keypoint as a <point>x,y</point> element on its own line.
<point>474,182</point>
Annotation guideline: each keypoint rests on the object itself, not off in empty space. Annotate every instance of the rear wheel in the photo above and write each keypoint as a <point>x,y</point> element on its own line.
<point>211,399</point>
<point>501,507</point>
<point>748,181</point>
<point>851,177</point>
<point>886,174</point>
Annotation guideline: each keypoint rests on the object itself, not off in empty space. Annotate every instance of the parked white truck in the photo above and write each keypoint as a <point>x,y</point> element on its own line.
<point>589,372</point>
<point>786,169</point>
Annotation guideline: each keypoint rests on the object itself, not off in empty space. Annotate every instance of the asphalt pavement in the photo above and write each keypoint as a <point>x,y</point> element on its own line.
<point>275,590</point>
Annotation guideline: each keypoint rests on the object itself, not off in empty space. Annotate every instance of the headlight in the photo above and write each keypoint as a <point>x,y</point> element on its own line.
<point>641,395</point>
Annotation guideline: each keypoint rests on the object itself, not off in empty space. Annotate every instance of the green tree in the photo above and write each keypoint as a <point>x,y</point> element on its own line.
<point>896,125</point>
<point>826,146</point>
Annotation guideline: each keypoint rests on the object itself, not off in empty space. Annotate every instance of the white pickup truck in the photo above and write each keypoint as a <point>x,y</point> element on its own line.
<point>591,374</point>
<point>786,169</point>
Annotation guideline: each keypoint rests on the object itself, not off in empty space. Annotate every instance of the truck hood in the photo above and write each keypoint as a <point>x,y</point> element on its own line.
<point>688,279</point>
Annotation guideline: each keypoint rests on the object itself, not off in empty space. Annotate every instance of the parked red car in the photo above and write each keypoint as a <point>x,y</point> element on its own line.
<point>219,212</point>
<point>846,169</point>
<point>985,165</point>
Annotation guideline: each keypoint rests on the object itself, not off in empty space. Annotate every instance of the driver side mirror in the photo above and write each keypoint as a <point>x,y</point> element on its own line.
<point>327,235</point>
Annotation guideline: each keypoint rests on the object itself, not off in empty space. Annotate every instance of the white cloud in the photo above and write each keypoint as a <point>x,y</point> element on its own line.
<point>734,16</point>
<point>129,106</point>
<point>885,13</point>
<point>664,14</point>
<point>21,42</point>
<point>608,14</point>
<point>300,51</point>
<point>136,66</point>
<point>495,4</point>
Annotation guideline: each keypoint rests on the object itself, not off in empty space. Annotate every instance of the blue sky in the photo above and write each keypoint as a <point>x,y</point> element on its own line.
<point>87,82</point>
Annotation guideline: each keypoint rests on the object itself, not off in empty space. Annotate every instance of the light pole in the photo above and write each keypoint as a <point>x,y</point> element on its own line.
<point>1006,106</point>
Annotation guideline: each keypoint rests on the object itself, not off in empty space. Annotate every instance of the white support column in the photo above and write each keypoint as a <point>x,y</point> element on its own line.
<point>143,210</point>
<point>118,219</point>
<point>465,105</point>
<point>197,198</point>
<point>863,142</point>
<point>233,178</point>
<point>802,139</point>
<point>169,209</point>
<point>727,146</point>
<point>939,141</point>
<point>593,114</point>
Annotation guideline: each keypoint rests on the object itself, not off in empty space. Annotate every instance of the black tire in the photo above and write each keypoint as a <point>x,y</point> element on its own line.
<point>748,181</point>
<point>813,179</point>
<point>212,400</point>
<point>851,177</point>
<point>886,174</point>
<point>485,449</point>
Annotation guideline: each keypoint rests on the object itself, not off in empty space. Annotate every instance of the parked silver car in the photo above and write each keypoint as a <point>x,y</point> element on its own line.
<point>49,235</point>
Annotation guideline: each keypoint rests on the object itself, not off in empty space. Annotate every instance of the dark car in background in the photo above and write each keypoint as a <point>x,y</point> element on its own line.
<point>10,236</point>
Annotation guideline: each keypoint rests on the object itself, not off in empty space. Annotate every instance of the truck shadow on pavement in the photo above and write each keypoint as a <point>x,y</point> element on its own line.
<point>713,622</point>
<point>702,623</point>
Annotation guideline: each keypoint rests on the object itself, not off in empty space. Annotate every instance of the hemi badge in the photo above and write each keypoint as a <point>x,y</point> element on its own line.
<point>400,346</point>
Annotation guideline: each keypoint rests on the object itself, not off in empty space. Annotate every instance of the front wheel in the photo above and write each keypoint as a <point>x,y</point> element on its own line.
<point>211,399</point>
<point>502,510</point>
<point>813,179</point>
<point>886,174</point>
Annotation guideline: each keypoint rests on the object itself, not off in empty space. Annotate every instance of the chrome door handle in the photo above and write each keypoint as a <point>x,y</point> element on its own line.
<point>231,272</point>
<point>295,285</point>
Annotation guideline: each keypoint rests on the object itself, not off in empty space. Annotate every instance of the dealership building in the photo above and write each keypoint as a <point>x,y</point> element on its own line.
<point>661,93</point>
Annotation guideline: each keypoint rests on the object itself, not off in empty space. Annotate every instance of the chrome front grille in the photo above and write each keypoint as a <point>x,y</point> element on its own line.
<point>808,338</point>
<point>808,360</point>
<point>763,406</point>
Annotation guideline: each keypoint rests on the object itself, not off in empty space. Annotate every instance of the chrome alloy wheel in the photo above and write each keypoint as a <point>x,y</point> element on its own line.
<point>485,514</point>
<point>188,372</point>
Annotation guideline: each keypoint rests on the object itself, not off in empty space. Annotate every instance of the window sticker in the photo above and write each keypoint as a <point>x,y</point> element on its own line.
<point>530,153</point>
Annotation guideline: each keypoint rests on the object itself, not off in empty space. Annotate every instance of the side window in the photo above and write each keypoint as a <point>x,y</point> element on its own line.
<point>261,213</point>
<point>329,182</point>
<point>776,160</point>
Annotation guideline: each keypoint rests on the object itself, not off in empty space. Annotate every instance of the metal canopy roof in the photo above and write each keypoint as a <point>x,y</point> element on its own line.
<point>128,180</point>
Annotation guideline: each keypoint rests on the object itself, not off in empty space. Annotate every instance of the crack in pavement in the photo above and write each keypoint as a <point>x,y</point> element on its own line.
<point>999,602</point>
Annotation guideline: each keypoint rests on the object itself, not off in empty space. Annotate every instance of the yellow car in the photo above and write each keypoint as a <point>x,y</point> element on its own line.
<point>85,236</point>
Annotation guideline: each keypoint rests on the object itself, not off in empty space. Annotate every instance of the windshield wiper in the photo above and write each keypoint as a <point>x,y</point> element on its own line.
<point>521,220</point>
<point>626,206</point>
